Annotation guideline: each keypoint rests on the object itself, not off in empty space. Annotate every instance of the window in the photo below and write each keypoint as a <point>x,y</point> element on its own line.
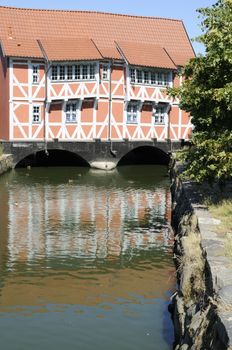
<point>159,114</point>
<point>165,79</point>
<point>36,114</point>
<point>160,79</point>
<point>132,111</point>
<point>77,74</point>
<point>71,112</point>
<point>69,72</point>
<point>62,72</point>
<point>92,71</point>
<point>153,78</point>
<point>139,76</point>
<point>85,72</point>
<point>146,77</point>
<point>149,77</point>
<point>54,72</point>
<point>73,72</point>
<point>132,75</point>
<point>105,72</point>
<point>35,74</point>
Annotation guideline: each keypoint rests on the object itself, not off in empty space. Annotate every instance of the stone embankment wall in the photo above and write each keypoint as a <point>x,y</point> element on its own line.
<point>6,163</point>
<point>202,306</point>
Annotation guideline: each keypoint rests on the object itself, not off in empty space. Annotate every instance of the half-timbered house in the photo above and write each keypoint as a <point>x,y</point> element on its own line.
<point>74,75</point>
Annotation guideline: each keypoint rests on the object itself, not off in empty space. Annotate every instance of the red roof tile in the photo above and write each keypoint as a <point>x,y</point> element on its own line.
<point>70,49</point>
<point>146,55</point>
<point>103,28</point>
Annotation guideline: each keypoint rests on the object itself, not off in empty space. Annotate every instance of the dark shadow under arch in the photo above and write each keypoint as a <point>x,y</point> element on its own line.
<point>145,155</point>
<point>53,158</point>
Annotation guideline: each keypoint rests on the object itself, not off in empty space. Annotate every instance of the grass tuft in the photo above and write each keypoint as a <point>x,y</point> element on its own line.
<point>192,265</point>
<point>223,212</point>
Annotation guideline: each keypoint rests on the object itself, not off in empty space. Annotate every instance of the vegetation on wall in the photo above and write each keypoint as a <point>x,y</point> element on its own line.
<point>207,94</point>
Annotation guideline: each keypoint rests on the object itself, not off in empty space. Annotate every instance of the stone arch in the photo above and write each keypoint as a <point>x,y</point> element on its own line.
<point>145,154</point>
<point>53,157</point>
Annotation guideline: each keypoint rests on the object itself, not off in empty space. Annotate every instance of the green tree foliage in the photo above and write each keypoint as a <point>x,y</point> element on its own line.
<point>207,94</point>
<point>209,159</point>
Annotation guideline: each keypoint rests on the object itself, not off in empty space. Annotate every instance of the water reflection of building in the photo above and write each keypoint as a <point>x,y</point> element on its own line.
<point>80,221</point>
<point>54,236</point>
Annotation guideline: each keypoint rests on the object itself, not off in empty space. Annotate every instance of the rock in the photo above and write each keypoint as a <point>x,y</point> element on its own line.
<point>103,165</point>
<point>184,347</point>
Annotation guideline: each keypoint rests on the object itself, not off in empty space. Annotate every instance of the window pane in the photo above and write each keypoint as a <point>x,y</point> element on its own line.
<point>139,76</point>
<point>105,72</point>
<point>69,72</point>
<point>36,114</point>
<point>85,72</point>
<point>54,72</point>
<point>78,72</point>
<point>35,74</point>
<point>92,71</point>
<point>62,72</point>
<point>146,77</point>
<point>132,75</point>
<point>166,79</point>
<point>153,78</point>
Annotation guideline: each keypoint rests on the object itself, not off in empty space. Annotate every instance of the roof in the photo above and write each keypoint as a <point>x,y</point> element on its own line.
<point>70,49</point>
<point>146,55</point>
<point>103,28</point>
<point>21,48</point>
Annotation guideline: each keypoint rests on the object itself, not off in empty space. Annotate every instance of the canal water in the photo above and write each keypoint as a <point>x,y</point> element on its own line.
<point>85,259</point>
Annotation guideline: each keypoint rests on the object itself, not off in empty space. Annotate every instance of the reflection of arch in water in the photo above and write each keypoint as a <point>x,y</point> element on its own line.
<point>145,155</point>
<point>54,157</point>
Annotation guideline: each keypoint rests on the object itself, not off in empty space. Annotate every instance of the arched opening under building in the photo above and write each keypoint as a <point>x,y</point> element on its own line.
<point>52,158</point>
<point>145,155</point>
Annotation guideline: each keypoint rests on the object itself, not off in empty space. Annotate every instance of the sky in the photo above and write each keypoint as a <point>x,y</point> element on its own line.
<point>179,9</point>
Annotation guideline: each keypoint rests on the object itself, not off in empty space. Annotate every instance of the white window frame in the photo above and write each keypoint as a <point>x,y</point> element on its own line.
<point>160,113</point>
<point>36,114</point>
<point>35,74</point>
<point>55,67</point>
<point>151,77</point>
<point>132,112</point>
<point>72,112</point>
<point>73,72</point>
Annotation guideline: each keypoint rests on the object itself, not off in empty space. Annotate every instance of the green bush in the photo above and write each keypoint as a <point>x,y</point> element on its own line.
<point>209,159</point>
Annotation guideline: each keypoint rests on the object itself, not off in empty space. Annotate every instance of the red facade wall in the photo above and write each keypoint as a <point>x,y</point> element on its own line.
<point>93,116</point>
